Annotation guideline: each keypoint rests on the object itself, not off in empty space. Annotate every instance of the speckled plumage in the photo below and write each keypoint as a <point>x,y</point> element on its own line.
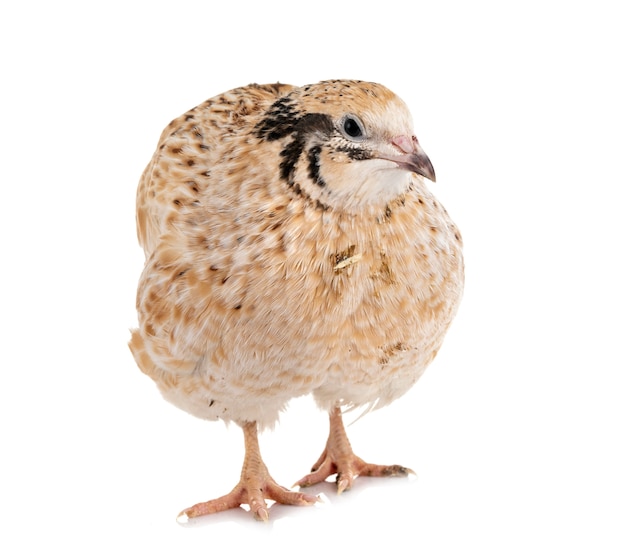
<point>286,254</point>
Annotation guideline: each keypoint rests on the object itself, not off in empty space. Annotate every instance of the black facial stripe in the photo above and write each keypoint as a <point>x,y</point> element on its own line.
<point>284,120</point>
<point>315,123</point>
<point>314,165</point>
<point>303,127</point>
<point>290,155</point>
<point>355,153</point>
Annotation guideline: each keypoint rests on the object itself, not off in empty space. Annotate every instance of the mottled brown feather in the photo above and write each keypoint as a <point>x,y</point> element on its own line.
<point>258,288</point>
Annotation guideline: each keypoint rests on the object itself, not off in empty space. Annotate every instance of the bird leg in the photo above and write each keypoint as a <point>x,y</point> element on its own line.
<point>339,458</point>
<point>254,487</point>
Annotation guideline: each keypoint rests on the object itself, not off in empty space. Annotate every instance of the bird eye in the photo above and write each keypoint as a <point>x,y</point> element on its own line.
<point>352,128</point>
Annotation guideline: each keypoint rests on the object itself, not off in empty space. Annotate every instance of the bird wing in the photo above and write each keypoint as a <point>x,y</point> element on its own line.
<point>183,194</point>
<point>188,148</point>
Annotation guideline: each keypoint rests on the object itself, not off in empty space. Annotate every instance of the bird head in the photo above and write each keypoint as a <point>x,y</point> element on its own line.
<point>345,144</point>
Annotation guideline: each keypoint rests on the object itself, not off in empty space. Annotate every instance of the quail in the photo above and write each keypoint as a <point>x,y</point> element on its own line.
<point>292,247</point>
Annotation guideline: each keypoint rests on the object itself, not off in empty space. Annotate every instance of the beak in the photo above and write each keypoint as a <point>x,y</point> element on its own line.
<point>413,157</point>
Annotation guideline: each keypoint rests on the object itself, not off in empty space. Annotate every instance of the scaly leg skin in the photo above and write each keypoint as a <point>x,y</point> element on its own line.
<point>255,485</point>
<point>339,458</point>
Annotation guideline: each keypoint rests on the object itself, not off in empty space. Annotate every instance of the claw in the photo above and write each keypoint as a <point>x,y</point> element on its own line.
<point>399,471</point>
<point>262,514</point>
<point>343,485</point>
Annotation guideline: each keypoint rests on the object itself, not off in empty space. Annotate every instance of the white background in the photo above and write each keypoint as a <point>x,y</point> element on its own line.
<point>517,430</point>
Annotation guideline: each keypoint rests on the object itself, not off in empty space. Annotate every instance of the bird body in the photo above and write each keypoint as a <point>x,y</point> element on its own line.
<point>292,247</point>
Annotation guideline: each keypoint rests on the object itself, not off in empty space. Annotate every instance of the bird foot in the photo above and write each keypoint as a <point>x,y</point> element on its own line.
<point>348,467</point>
<point>253,492</point>
<point>254,487</point>
<point>338,458</point>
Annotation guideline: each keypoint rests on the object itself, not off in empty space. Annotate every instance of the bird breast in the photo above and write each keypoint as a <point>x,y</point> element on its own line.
<point>266,304</point>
